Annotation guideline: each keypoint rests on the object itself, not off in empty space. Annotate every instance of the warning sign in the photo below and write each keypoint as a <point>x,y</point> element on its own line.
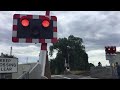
<point>8,65</point>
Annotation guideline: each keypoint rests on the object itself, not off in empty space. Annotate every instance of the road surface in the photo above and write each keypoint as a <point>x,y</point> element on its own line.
<point>71,77</point>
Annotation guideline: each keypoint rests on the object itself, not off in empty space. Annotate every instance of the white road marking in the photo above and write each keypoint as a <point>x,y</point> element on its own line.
<point>65,77</point>
<point>61,76</point>
<point>88,77</point>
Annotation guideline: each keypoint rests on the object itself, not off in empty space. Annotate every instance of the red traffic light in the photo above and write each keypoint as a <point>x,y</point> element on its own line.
<point>45,23</point>
<point>25,22</point>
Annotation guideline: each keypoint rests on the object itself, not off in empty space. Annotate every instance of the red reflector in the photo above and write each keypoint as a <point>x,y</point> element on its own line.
<point>46,23</point>
<point>14,39</point>
<point>25,22</point>
<point>54,40</point>
<point>28,39</point>
<point>44,46</point>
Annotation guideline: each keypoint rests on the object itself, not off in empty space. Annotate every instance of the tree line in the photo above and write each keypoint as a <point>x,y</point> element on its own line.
<point>70,50</point>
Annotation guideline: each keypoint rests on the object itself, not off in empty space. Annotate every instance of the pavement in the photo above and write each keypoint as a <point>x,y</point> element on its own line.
<point>71,77</point>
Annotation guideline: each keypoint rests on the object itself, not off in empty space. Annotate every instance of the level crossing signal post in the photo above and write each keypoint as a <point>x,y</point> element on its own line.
<point>110,52</point>
<point>35,29</point>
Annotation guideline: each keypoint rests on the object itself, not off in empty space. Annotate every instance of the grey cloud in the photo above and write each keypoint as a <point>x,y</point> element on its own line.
<point>96,28</point>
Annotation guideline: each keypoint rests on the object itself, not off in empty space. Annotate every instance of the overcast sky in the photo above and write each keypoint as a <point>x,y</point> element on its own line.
<point>97,29</point>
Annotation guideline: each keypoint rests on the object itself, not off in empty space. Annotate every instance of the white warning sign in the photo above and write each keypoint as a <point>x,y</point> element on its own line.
<point>8,65</point>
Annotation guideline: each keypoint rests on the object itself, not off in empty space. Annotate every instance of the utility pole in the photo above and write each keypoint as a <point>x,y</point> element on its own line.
<point>68,64</point>
<point>11,51</point>
<point>27,60</point>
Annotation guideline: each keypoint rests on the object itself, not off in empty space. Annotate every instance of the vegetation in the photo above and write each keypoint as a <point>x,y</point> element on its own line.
<point>73,51</point>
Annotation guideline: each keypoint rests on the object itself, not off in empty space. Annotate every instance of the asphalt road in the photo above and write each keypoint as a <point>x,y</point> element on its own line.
<point>71,77</point>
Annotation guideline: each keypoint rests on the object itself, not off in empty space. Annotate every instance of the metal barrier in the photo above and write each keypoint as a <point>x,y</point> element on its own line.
<point>25,75</point>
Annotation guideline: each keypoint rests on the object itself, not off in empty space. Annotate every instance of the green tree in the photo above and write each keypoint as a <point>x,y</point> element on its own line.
<point>71,49</point>
<point>91,65</point>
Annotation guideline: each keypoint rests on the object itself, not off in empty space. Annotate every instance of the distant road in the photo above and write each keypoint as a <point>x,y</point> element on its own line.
<point>71,77</point>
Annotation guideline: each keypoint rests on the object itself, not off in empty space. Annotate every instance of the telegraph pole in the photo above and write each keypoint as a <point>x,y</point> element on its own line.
<point>10,50</point>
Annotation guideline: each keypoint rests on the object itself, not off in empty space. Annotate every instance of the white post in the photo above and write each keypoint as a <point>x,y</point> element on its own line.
<point>42,61</point>
<point>43,53</point>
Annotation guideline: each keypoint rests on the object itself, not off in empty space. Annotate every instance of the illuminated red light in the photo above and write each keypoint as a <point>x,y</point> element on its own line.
<point>108,48</point>
<point>45,23</point>
<point>25,22</point>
